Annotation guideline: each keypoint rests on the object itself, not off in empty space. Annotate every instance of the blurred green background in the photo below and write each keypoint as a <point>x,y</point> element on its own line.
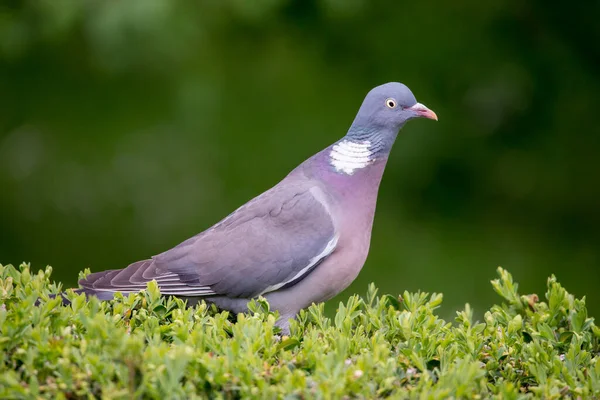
<point>128,126</point>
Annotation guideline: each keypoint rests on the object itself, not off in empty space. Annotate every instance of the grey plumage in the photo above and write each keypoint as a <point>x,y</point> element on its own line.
<point>302,241</point>
<point>255,249</point>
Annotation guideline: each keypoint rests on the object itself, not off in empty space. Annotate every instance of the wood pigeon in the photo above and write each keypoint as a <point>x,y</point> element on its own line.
<point>301,242</point>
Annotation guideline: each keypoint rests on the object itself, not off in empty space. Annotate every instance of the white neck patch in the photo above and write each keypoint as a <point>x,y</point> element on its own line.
<point>347,156</point>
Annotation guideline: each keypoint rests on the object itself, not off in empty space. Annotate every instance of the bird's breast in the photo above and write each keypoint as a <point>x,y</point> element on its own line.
<point>354,201</point>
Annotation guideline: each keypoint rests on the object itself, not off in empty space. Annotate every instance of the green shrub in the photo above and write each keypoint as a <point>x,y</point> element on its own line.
<point>146,346</point>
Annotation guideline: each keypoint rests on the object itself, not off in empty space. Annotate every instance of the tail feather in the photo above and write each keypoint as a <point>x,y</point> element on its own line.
<point>99,280</point>
<point>105,295</point>
<point>135,277</point>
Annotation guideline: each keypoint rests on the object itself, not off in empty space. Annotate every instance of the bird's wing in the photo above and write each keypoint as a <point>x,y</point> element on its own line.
<point>271,242</point>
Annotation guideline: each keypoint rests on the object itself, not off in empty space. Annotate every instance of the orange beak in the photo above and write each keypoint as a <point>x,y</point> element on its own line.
<point>423,111</point>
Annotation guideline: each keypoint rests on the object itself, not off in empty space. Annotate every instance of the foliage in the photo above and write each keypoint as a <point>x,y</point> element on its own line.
<point>147,346</point>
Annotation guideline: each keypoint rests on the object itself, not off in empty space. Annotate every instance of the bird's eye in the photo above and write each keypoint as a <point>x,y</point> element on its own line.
<point>391,103</point>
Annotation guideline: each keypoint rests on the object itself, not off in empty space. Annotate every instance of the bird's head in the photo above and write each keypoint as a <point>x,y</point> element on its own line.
<point>390,106</point>
<point>384,111</point>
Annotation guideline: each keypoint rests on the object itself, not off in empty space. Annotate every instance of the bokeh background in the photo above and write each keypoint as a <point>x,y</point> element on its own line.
<point>128,126</point>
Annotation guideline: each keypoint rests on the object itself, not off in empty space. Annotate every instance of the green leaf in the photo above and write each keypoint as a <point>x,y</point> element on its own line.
<point>288,344</point>
<point>392,301</point>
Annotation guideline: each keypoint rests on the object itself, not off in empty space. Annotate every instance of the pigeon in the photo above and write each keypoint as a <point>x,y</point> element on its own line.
<point>301,242</point>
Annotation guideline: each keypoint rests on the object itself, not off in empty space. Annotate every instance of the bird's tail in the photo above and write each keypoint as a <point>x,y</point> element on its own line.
<point>101,295</point>
<point>104,284</point>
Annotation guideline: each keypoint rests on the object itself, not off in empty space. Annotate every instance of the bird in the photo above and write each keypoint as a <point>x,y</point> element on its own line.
<point>301,242</point>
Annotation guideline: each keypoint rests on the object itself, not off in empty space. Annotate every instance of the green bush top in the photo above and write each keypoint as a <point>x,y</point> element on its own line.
<point>147,346</point>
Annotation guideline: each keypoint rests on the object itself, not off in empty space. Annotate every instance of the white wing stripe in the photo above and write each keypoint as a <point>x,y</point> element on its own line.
<point>184,291</point>
<point>326,251</point>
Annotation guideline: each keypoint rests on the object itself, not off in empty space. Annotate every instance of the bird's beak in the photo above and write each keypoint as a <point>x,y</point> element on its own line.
<point>423,111</point>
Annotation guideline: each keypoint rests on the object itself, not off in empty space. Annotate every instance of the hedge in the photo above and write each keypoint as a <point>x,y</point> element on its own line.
<point>147,346</point>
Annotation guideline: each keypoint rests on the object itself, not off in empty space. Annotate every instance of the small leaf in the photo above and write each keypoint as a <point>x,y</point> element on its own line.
<point>565,337</point>
<point>515,325</point>
<point>160,310</point>
<point>578,316</point>
<point>288,344</point>
<point>392,301</point>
